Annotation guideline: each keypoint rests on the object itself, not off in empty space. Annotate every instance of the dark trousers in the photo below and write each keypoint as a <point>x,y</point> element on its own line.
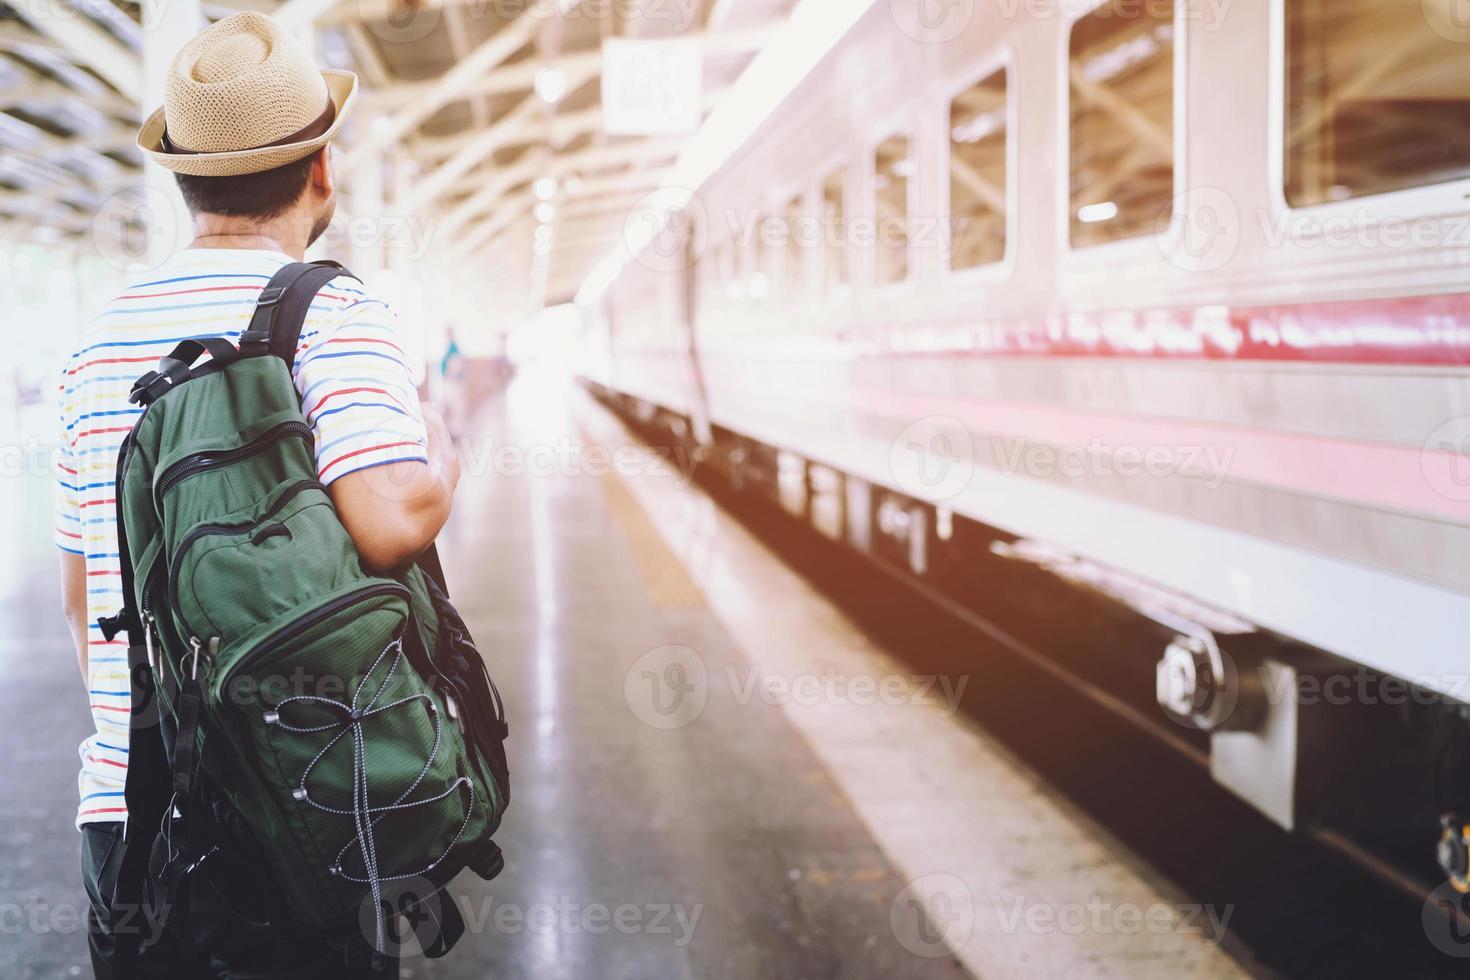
<point>224,938</point>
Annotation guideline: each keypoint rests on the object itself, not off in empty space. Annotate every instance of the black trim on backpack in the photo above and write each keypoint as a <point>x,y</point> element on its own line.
<point>274,329</point>
<point>281,310</point>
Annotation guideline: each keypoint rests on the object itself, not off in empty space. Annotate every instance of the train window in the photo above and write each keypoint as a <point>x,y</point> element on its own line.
<point>894,168</point>
<point>712,278</point>
<point>977,173</point>
<point>795,246</point>
<point>1377,97</point>
<point>1121,68</point>
<point>758,285</point>
<point>834,229</point>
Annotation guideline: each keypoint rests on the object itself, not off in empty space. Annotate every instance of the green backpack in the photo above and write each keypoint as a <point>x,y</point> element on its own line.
<point>338,726</point>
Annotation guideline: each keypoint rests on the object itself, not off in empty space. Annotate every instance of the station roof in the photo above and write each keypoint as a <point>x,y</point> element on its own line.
<point>469,105</point>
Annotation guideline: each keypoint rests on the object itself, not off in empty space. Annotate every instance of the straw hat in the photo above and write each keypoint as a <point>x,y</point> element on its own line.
<point>241,97</point>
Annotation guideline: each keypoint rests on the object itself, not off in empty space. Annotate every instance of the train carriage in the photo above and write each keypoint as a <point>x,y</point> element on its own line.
<point>1170,291</point>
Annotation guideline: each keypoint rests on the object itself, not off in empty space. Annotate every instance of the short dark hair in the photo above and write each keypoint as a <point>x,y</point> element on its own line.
<point>263,195</point>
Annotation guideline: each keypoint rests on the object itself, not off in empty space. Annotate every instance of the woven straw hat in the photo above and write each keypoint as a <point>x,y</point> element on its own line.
<point>243,97</point>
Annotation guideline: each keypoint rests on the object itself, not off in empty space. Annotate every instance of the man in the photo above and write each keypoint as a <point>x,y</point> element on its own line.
<point>245,127</point>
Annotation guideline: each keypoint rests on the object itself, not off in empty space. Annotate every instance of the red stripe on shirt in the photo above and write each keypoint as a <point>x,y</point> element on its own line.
<point>186,292</point>
<point>112,360</point>
<point>364,340</point>
<point>369,449</point>
<point>352,391</point>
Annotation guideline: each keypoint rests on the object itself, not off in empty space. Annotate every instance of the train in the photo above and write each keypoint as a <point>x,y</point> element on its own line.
<point>1162,301</point>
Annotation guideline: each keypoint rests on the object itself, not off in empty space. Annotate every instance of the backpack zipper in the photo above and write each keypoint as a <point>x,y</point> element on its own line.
<point>298,626</point>
<point>199,462</point>
<point>207,530</point>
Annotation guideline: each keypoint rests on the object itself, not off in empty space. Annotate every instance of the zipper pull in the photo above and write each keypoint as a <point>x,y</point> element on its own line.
<point>148,642</point>
<point>194,647</point>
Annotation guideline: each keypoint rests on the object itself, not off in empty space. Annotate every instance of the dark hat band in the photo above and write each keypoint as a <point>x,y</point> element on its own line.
<point>310,131</point>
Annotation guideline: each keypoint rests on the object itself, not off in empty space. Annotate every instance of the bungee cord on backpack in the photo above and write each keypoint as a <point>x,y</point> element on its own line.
<point>365,816</point>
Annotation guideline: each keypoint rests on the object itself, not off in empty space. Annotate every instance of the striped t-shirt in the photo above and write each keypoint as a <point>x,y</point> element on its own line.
<point>356,392</point>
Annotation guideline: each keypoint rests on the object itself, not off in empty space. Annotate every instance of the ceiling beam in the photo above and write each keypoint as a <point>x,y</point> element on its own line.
<point>293,15</point>
<point>521,77</point>
<point>447,88</point>
<point>506,131</point>
<point>521,204</point>
<point>45,91</point>
<point>88,45</point>
<point>486,194</point>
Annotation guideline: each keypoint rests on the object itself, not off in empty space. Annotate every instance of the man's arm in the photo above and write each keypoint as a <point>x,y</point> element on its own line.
<point>393,512</point>
<point>74,603</point>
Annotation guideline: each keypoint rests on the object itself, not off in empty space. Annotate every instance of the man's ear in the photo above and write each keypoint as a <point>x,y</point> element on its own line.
<point>322,180</point>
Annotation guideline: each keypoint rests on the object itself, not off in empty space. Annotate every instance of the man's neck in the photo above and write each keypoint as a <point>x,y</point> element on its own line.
<point>277,235</point>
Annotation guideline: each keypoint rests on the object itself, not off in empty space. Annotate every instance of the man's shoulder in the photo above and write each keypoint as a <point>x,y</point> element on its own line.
<point>352,296</point>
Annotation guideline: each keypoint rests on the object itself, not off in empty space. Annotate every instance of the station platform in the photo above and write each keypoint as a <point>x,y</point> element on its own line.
<point>714,773</point>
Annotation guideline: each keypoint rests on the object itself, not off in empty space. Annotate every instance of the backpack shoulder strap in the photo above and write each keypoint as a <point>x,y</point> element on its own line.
<point>275,329</point>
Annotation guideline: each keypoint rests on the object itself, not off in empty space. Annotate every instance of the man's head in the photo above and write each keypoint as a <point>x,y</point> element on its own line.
<point>295,198</point>
<point>245,125</point>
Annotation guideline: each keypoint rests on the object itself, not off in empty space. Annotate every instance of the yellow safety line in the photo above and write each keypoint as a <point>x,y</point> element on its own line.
<point>665,579</point>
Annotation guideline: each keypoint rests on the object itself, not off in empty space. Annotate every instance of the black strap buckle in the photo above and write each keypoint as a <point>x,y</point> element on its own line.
<point>113,625</point>
<point>270,295</point>
<point>255,343</point>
